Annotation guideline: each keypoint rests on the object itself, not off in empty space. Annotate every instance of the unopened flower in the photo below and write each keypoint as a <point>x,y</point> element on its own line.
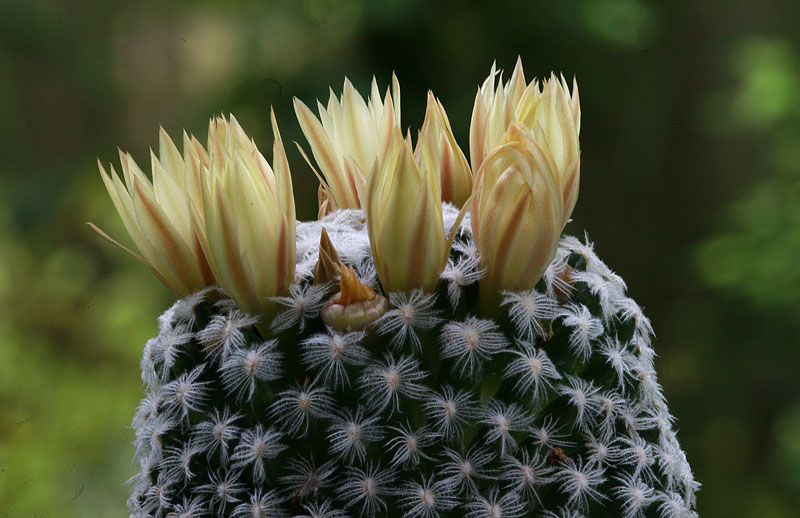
<point>437,149</point>
<point>516,214</point>
<point>157,215</point>
<point>346,140</point>
<point>403,208</point>
<point>549,113</point>
<point>248,212</point>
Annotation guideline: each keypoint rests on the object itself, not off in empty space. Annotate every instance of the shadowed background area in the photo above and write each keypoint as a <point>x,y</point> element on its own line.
<point>690,189</point>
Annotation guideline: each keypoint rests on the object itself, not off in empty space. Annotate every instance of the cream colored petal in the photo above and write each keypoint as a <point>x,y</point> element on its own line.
<point>570,183</point>
<point>125,207</point>
<point>284,253</point>
<point>358,138</point>
<point>170,158</point>
<point>454,163</point>
<point>517,215</point>
<point>160,231</point>
<point>225,254</point>
<point>387,126</point>
<point>477,132</point>
<point>171,197</point>
<point>324,154</point>
<point>374,103</point>
<point>355,180</point>
<point>404,219</point>
<point>516,85</point>
<point>280,166</point>
<point>428,240</point>
<point>558,122</point>
<point>395,100</point>
<point>134,254</point>
<point>506,208</point>
<point>283,178</point>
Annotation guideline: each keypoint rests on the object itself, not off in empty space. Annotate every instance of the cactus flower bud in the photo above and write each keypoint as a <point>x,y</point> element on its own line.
<point>547,112</point>
<point>516,213</point>
<point>403,208</point>
<point>437,141</point>
<point>347,139</point>
<point>249,216</point>
<point>157,217</point>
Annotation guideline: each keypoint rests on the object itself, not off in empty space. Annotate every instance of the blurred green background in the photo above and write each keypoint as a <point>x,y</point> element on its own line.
<point>690,189</point>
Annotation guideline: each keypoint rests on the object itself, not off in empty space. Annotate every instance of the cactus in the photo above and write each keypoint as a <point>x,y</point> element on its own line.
<point>550,408</point>
<point>491,381</point>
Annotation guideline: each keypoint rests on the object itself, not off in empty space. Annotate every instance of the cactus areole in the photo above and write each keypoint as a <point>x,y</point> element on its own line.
<point>401,356</point>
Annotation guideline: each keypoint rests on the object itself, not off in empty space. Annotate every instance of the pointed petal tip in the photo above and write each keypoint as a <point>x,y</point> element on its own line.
<point>298,103</point>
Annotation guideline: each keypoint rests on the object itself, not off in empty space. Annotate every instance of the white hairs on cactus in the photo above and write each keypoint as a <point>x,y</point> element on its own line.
<point>414,359</point>
<point>399,417</point>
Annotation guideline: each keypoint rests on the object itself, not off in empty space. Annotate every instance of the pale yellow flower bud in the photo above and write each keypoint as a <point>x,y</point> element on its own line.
<point>403,208</point>
<point>247,209</point>
<point>437,141</point>
<point>517,213</point>
<point>547,112</point>
<point>157,216</point>
<point>347,138</point>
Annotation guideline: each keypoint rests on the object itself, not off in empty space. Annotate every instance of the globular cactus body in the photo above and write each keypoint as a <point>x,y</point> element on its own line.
<point>546,405</point>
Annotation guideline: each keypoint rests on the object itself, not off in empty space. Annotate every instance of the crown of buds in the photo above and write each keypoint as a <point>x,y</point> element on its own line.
<point>226,216</point>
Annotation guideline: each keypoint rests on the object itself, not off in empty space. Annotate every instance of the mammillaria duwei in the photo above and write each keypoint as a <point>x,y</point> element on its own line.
<point>400,356</point>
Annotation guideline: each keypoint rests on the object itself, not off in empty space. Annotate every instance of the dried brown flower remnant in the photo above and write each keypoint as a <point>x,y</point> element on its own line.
<point>355,306</point>
<point>328,265</point>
